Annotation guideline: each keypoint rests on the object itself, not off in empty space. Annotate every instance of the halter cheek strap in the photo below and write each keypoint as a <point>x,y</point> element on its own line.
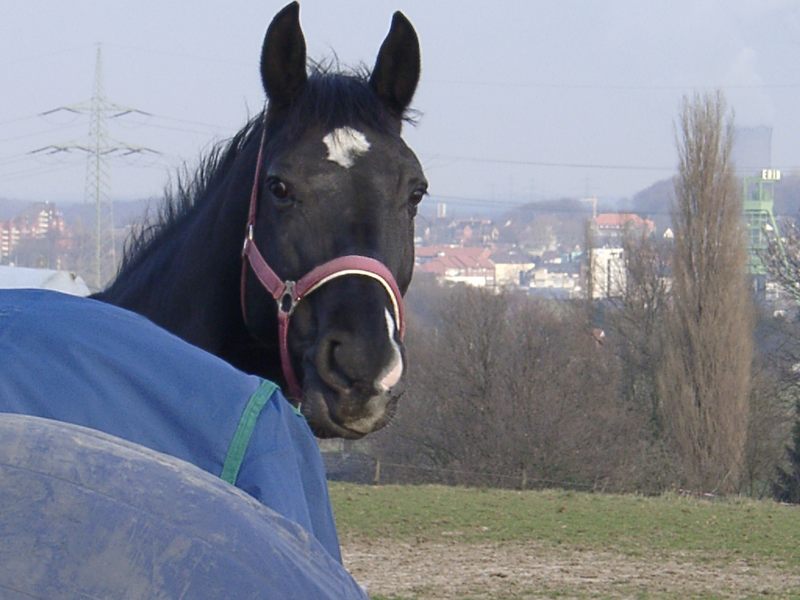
<point>288,293</point>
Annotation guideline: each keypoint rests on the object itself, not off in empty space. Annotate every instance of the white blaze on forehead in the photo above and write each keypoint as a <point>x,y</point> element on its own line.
<point>345,144</point>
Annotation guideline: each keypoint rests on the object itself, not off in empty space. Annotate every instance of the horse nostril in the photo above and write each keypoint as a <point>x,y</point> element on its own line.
<point>364,363</point>
<point>329,368</point>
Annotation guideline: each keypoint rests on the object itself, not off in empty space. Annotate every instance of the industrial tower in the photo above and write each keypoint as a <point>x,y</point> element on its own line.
<point>758,194</point>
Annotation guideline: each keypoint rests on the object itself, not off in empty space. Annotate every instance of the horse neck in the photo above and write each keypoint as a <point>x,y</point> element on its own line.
<point>189,283</point>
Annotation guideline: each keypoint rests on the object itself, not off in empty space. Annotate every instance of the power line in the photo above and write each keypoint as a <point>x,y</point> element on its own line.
<point>547,206</point>
<point>13,158</point>
<point>8,63</point>
<point>577,165</point>
<point>37,133</point>
<point>169,128</point>
<point>19,119</point>
<point>613,87</point>
<point>188,121</point>
<point>24,174</point>
<point>477,201</point>
<point>184,55</point>
<point>568,165</point>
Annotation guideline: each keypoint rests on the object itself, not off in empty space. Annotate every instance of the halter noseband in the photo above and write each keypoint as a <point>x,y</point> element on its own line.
<point>288,293</point>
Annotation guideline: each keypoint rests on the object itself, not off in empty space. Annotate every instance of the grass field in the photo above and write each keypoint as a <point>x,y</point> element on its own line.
<point>406,542</point>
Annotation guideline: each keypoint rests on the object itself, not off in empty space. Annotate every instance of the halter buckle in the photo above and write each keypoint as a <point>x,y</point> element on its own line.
<point>247,239</point>
<point>287,300</point>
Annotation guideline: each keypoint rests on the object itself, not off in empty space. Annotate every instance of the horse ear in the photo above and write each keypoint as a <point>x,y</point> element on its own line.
<point>283,57</point>
<point>396,71</point>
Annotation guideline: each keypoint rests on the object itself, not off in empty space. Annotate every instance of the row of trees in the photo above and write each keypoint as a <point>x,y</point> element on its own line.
<point>504,391</point>
<point>508,391</point>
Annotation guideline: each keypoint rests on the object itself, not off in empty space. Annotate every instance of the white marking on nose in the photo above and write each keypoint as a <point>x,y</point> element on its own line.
<point>345,144</point>
<point>392,373</point>
<point>375,408</point>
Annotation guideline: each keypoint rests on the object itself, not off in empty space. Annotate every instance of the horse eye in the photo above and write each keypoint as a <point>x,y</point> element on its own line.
<point>417,196</point>
<point>414,199</point>
<point>277,188</point>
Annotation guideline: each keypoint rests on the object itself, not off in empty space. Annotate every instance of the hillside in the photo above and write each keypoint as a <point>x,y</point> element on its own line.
<point>543,224</point>
<point>655,201</point>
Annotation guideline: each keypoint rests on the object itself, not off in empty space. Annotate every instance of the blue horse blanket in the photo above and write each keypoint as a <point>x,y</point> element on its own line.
<point>92,364</point>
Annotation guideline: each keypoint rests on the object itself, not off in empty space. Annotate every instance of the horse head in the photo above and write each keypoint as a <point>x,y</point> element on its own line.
<point>335,179</point>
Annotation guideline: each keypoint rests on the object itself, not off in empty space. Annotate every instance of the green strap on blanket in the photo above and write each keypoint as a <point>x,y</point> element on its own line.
<point>247,423</point>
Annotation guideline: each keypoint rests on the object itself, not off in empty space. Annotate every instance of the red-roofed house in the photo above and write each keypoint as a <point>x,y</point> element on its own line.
<point>610,227</point>
<point>470,265</point>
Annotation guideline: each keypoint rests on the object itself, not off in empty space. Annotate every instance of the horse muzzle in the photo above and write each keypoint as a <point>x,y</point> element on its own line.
<point>346,414</point>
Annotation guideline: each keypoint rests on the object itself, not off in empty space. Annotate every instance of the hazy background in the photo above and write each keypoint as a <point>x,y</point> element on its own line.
<point>520,100</point>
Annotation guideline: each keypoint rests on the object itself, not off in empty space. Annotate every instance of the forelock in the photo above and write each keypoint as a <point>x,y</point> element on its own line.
<point>333,98</point>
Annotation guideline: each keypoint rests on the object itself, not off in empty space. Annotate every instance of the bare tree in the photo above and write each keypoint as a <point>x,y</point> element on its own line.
<point>512,392</point>
<point>588,276</point>
<point>782,259</point>
<point>704,377</point>
<point>771,397</point>
<point>637,322</point>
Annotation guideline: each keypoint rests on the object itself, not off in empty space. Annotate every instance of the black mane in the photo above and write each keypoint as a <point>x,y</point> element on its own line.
<point>332,97</point>
<point>181,196</point>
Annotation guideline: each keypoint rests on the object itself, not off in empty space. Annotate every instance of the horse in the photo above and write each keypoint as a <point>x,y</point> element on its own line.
<point>288,253</point>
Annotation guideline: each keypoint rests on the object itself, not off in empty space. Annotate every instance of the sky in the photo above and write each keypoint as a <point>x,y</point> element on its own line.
<point>519,100</point>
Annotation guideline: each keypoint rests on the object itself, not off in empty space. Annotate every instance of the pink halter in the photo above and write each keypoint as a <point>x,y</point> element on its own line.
<point>288,293</point>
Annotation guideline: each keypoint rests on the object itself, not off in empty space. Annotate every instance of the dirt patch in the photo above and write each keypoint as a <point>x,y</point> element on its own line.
<point>452,570</point>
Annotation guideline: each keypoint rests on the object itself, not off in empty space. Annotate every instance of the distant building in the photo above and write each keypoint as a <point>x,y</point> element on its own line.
<point>541,281</point>
<point>758,205</point>
<point>610,228</point>
<point>510,266</point>
<point>474,232</point>
<point>455,264</point>
<point>38,221</point>
<point>608,273</point>
<point>10,236</point>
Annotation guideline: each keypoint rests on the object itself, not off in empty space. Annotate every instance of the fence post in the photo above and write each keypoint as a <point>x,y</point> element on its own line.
<point>376,479</point>
<point>524,479</point>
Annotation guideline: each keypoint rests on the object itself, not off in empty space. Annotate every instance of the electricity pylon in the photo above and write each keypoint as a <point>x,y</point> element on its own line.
<point>99,147</point>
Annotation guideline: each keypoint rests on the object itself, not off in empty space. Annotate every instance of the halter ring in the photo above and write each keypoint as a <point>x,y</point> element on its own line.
<point>287,300</point>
